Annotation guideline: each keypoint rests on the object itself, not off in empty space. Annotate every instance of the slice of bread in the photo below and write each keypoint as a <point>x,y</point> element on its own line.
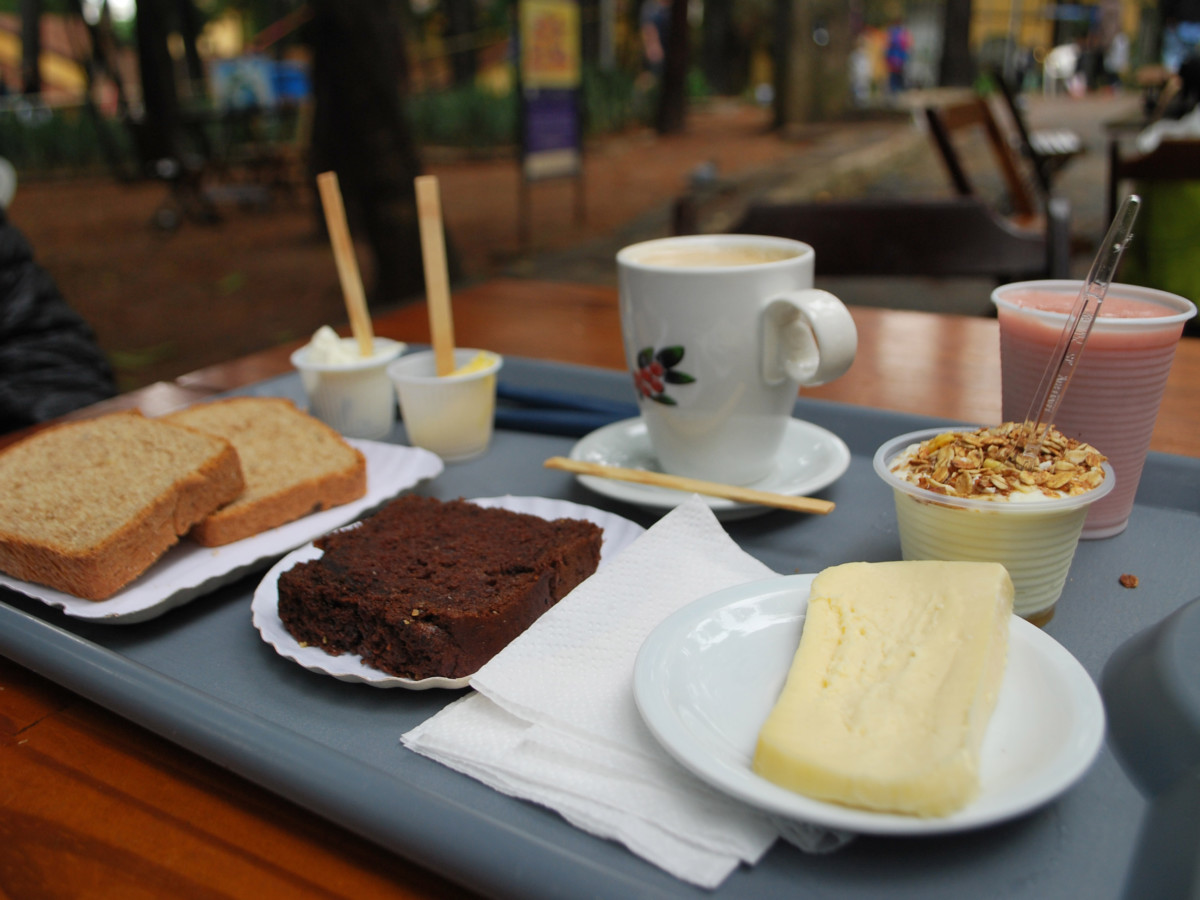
<point>293,463</point>
<point>87,506</point>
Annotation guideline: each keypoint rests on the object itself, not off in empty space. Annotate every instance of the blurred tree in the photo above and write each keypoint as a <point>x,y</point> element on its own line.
<point>591,38</point>
<point>158,131</point>
<point>957,68</point>
<point>813,61</point>
<point>672,99</point>
<point>728,33</point>
<point>191,22</point>
<point>100,62</point>
<point>718,45</point>
<point>460,37</point>
<point>361,131</point>
<point>31,46</point>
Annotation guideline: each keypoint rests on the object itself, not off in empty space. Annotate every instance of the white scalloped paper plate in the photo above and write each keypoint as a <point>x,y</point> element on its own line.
<point>618,533</point>
<point>188,571</point>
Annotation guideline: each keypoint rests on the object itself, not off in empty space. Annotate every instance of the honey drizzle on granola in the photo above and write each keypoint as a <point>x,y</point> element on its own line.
<point>985,464</point>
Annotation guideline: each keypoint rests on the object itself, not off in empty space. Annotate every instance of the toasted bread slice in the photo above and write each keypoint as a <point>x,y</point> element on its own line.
<point>293,463</point>
<point>87,506</point>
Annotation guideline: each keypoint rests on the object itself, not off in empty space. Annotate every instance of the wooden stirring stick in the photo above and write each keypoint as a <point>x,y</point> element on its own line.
<point>437,278</point>
<point>692,485</point>
<point>347,262</point>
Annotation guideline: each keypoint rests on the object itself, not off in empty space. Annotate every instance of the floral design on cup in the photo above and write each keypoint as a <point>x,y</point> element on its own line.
<point>656,369</point>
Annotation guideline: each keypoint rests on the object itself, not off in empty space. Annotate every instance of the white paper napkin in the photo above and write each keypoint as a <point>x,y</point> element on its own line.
<point>555,722</point>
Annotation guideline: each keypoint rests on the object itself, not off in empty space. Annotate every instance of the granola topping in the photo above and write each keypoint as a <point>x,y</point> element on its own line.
<point>985,465</point>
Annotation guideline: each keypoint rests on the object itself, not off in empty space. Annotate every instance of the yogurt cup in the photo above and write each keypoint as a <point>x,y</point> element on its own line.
<point>1118,383</point>
<point>1034,539</point>
<point>354,398</point>
<point>450,415</point>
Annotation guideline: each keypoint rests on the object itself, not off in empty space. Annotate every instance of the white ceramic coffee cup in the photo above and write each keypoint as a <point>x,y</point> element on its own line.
<point>720,332</point>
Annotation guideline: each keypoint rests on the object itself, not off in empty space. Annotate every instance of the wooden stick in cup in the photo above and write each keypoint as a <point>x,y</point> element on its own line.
<point>347,262</point>
<point>692,485</point>
<point>437,278</point>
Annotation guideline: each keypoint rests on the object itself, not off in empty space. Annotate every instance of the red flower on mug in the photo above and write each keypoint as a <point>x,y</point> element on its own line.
<point>656,369</point>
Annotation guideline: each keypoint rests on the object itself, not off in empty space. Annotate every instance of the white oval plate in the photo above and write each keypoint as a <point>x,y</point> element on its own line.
<point>618,533</point>
<point>811,458</point>
<point>187,570</point>
<point>708,675</point>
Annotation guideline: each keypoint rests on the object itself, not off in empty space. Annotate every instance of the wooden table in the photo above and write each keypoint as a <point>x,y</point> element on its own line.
<point>937,365</point>
<point>95,806</point>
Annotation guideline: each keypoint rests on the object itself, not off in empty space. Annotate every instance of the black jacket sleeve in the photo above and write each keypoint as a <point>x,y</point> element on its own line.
<point>50,362</point>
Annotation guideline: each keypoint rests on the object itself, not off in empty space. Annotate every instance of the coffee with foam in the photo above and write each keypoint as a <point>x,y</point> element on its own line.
<point>716,257</point>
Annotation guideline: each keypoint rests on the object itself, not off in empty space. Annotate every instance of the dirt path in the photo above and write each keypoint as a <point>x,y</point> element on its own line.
<point>166,304</point>
<point>163,304</point>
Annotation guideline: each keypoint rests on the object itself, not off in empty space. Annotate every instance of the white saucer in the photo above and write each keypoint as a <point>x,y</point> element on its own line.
<point>810,459</point>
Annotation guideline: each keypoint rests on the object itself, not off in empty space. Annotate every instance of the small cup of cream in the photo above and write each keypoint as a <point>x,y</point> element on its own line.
<point>346,390</point>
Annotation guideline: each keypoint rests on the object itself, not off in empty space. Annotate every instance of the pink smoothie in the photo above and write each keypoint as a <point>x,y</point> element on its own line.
<point>1114,307</point>
<point>1113,398</point>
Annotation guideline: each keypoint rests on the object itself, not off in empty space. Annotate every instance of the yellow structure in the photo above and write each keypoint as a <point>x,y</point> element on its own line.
<point>58,72</point>
<point>1030,23</point>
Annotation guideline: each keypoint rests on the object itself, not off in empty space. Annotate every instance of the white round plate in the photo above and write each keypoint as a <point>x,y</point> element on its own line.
<point>707,677</point>
<point>810,459</point>
<point>618,533</point>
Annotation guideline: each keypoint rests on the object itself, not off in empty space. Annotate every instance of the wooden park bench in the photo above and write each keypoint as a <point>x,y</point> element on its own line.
<point>1048,149</point>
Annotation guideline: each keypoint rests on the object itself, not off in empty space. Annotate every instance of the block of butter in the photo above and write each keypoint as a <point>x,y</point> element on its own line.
<point>892,686</point>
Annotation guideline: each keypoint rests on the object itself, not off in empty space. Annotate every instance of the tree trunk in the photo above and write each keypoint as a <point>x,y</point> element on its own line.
<point>31,47</point>
<point>158,130</point>
<point>957,69</point>
<point>361,131</point>
<point>460,35</point>
<point>590,31</point>
<point>672,101</point>
<point>723,55</point>
<point>813,63</point>
<point>191,23</point>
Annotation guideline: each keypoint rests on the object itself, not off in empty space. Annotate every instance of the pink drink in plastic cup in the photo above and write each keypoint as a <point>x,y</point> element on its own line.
<point>1114,396</point>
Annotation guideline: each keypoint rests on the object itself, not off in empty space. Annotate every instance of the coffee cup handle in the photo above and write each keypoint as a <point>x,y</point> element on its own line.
<point>808,336</point>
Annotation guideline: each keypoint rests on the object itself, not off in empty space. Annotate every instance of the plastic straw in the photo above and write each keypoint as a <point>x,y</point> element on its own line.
<point>1065,358</point>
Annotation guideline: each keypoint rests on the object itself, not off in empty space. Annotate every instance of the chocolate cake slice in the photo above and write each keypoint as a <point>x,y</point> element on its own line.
<point>427,588</point>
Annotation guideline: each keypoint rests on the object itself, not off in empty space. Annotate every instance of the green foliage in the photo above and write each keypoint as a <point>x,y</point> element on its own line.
<point>48,6</point>
<point>66,140</point>
<point>697,85</point>
<point>463,117</point>
<point>476,118</point>
<point>45,140</point>
<point>608,100</point>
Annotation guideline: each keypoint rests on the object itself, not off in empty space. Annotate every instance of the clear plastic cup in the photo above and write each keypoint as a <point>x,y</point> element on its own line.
<point>1035,540</point>
<point>1117,387</point>
<point>356,399</point>
<point>450,415</point>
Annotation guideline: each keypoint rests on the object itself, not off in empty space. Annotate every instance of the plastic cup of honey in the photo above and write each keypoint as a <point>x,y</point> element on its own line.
<point>450,415</point>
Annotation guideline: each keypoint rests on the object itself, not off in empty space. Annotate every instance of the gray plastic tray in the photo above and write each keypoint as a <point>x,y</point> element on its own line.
<point>201,677</point>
